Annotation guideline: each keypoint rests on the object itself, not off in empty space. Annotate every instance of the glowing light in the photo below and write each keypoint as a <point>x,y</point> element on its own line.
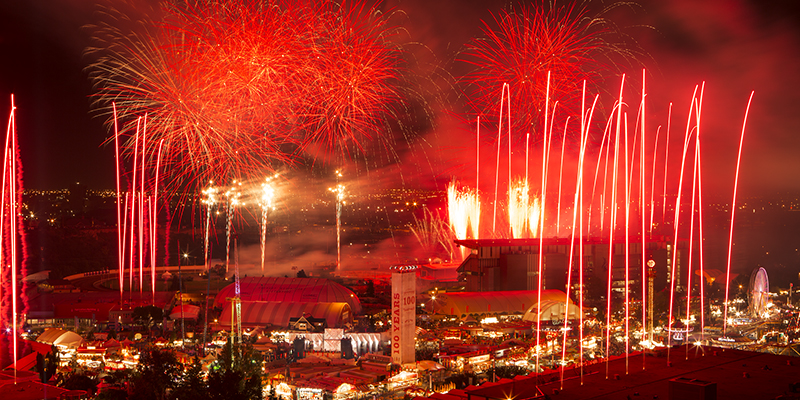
<point>523,212</point>
<point>267,196</point>
<point>463,206</point>
<point>339,192</point>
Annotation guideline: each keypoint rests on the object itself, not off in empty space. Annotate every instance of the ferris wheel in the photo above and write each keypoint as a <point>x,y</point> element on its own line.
<point>758,294</point>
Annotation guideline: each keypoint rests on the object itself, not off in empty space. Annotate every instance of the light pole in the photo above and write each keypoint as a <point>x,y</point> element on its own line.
<point>651,274</point>
<point>180,290</point>
<point>339,192</point>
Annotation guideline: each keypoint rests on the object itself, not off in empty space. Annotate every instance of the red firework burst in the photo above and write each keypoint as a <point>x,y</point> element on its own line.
<point>356,76</point>
<point>238,87</point>
<point>527,44</point>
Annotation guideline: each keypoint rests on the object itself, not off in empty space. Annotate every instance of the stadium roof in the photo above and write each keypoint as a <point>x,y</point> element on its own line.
<point>277,313</point>
<point>524,242</point>
<point>521,301</point>
<point>290,290</point>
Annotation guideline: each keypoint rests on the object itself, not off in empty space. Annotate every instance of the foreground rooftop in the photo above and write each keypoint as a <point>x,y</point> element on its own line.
<point>737,375</point>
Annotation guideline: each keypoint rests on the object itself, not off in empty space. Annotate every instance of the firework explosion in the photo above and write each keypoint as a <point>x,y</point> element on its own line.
<point>523,212</point>
<point>464,212</point>
<point>235,88</point>
<point>522,47</point>
<point>434,234</point>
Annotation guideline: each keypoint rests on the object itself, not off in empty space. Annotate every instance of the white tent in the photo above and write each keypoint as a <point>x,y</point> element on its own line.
<point>60,338</point>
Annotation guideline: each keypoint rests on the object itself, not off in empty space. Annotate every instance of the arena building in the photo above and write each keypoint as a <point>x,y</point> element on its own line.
<point>509,302</point>
<point>513,264</point>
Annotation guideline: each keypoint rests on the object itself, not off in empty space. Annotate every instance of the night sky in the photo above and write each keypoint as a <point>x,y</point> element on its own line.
<point>733,46</point>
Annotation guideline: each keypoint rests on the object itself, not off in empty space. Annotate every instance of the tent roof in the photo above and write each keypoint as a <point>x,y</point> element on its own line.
<point>294,290</point>
<point>458,303</point>
<point>551,309</point>
<point>60,337</point>
<point>278,313</point>
<point>189,312</point>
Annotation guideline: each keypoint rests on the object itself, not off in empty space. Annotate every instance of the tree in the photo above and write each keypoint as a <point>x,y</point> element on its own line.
<point>370,288</point>
<point>236,375</point>
<point>80,381</point>
<point>147,315</point>
<point>509,371</point>
<point>157,373</point>
<point>191,385</point>
<point>219,270</point>
<point>302,274</point>
<point>112,394</point>
<point>46,365</point>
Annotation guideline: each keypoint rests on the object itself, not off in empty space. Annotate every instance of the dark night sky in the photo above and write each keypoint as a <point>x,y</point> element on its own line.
<point>733,46</point>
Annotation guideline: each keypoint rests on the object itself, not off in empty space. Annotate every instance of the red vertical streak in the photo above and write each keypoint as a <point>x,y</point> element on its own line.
<point>642,208</point>
<point>613,222</point>
<point>580,241</point>
<point>10,179</point>
<point>576,206</point>
<point>141,206</point>
<point>497,170</point>
<point>653,180</point>
<point>733,215</point>
<point>698,114</point>
<point>13,229</point>
<point>560,175</point>
<point>700,211</point>
<point>120,244</point>
<point>541,223</point>
<point>154,218</point>
<point>508,125</point>
<point>666,163</point>
<point>677,218</point>
<point>606,143</point>
<point>133,202</point>
<point>691,248</point>
<point>627,241</point>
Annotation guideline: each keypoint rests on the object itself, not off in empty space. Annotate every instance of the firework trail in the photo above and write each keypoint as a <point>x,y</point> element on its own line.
<point>139,209</point>
<point>232,196</point>
<point>618,194</point>
<point>13,249</point>
<point>339,192</point>
<point>210,200</point>
<point>434,234</point>
<point>267,195</point>
<point>733,215</point>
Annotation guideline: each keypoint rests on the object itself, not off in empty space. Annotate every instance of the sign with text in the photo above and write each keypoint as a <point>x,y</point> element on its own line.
<point>404,315</point>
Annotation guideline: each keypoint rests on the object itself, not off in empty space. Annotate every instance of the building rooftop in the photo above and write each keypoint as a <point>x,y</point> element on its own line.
<point>737,375</point>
